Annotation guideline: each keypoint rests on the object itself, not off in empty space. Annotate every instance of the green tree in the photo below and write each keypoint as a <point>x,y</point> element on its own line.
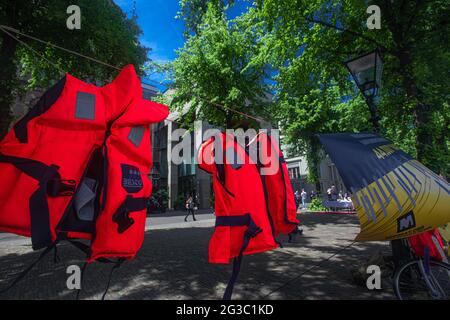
<point>192,12</point>
<point>303,41</point>
<point>216,68</point>
<point>106,34</point>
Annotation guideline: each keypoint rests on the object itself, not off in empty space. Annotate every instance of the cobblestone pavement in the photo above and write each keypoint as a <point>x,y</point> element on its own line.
<point>172,264</point>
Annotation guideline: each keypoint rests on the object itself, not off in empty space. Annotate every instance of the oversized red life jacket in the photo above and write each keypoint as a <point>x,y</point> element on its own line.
<point>240,205</point>
<point>77,164</point>
<point>244,199</point>
<point>277,184</point>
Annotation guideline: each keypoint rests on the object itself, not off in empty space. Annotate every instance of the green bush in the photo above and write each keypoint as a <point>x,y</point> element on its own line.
<point>317,205</point>
<point>179,202</point>
<point>162,196</point>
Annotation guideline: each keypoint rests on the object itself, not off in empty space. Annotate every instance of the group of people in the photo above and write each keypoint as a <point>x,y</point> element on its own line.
<point>301,197</point>
<point>333,195</point>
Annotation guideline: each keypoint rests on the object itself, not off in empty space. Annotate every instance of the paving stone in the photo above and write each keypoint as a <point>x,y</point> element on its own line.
<point>173,264</point>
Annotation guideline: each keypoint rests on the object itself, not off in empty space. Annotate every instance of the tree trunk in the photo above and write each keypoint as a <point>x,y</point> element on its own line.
<point>313,160</point>
<point>421,112</point>
<point>399,26</point>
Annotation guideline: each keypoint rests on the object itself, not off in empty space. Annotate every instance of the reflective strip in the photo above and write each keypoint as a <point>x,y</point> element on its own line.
<point>85,106</point>
<point>136,135</point>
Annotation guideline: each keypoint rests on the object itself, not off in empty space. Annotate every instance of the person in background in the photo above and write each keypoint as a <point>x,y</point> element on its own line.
<point>334,194</point>
<point>303,195</point>
<point>190,208</point>
<point>297,198</point>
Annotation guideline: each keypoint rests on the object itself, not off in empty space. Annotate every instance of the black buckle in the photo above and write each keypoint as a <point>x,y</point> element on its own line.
<point>123,220</point>
<point>61,187</point>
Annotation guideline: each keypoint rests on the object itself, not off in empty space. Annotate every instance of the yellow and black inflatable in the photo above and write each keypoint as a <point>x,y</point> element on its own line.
<point>395,196</point>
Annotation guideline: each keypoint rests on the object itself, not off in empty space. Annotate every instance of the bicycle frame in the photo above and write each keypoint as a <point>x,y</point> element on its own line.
<point>432,284</point>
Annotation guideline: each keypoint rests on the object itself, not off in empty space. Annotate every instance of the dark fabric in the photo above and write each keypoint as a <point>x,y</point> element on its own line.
<point>136,134</point>
<point>39,211</point>
<point>87,250</point>
<point>130,204</point>
<point>233,221</point>
<point>44,103</point>
<point>58,187</point>
<point>40,219</point>
<point>116,266</point>
<point>131,178</point>
<point>252,231</point>
<point>105,175</point>
<point>355,153</point>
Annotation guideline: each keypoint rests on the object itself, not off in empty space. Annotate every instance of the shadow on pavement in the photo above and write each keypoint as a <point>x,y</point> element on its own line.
<point>173,264</point>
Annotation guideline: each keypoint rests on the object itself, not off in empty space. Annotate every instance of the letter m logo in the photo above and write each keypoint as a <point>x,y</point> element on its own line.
<point>406,222</point>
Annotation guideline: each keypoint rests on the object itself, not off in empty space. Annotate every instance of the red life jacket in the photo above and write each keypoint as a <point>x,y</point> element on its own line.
<point>277,185</point>
<point>240,205</point>
<point>76,166</point>
<point>243,198</point>
<point>424,241</point>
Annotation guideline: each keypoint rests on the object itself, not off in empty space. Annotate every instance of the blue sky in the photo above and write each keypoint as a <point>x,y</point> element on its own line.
<point>161,31</point>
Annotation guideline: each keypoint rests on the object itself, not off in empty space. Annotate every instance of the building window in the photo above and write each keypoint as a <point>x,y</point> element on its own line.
<point>294,173</point>
<point>149,91</point>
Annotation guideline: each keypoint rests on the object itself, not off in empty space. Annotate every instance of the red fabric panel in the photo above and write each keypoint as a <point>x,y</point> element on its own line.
<point>421,241</point>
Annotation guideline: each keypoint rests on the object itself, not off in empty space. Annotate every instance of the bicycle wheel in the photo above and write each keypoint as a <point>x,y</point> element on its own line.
<point>413,282</point>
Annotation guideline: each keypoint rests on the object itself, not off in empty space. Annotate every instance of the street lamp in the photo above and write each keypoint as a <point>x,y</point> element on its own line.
<point>366,70</point>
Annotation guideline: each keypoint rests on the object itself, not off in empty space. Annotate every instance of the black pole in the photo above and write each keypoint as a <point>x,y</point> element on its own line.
<point>401,252</point>
<point>374,118</point>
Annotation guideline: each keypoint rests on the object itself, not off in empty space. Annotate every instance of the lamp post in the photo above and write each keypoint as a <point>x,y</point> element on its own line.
<point>366,70</point>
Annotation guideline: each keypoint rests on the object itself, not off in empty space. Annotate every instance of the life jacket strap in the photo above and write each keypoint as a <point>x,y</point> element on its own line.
<point>61,187</point>
<point>130,204</point>
<point>22,275</point>
<point>252,231</point>
<point>39,210</point>
<point>116,265</point>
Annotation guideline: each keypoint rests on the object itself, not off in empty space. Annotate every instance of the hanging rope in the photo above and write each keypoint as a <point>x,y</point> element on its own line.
<point>58,47</point>
<point>7,30</point>
<point>2,28</point>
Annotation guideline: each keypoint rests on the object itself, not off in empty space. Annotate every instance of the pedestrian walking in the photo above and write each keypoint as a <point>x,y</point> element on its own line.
<point>190,208</point>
